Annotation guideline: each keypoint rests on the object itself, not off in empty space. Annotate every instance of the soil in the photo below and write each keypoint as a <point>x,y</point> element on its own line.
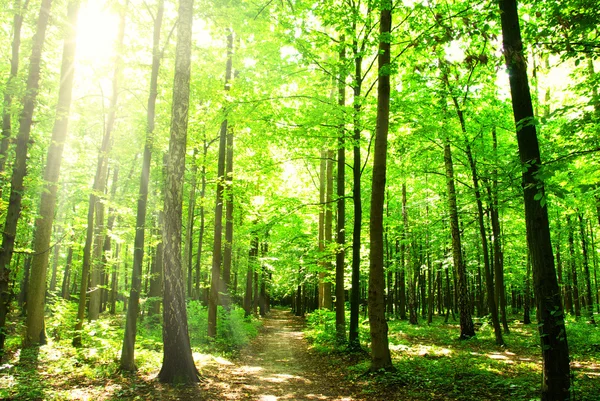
<point>278,365</point>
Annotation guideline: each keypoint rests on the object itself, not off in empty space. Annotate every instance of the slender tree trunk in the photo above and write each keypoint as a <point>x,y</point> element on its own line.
<point>55,257</point>
<point>527,293</point>
<point>189,231</point>
<point>491,297</point>
<point>353,340</point>
<point>380,352</point>
<point>215,284</point>
<point>100,181</point>
<point>252,261</point>
<point>178,362</point>
<point>66,283</point>
<point>340,316</point>
<point>127,361</point>
<point>589,300</point>
<point>573,264</point>
<point>321,233</point>
<point>228,251</point>
<point>467,329</point>
<point>17,188</point>
<point>202,218</point>
<point>9,91</point>
<point>327,300</point>
<point>156,279</point>
<point>555,350</point>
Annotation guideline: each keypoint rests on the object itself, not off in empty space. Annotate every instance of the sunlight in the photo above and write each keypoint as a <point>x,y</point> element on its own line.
<point>96,32</point>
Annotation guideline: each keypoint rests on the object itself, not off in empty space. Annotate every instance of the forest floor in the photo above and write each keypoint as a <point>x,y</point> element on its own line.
<point>288,361</point>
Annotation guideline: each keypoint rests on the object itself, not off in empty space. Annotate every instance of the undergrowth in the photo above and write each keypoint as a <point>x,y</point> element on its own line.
<point>55,370</point>
<point>432,363</point>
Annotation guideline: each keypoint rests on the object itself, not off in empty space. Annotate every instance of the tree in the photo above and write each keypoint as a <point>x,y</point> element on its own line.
<point>43,225</point>
<point>550,315</point>
<point>380,352</point>
<point>17,188</point>
<point>178,362</point>
<point>127,361</point>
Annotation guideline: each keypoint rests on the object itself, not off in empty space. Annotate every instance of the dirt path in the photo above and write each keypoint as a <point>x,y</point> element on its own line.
<point>277,366</point>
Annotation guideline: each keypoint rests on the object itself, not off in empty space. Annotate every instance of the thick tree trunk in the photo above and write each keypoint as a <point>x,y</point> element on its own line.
<point>467,329</point>
<point>215,284</point>
<point>178,362</point>
<point>555,350</point>
<point>127,361</point>
<point>380,352</point>
<point>340,301</point>
<point>17,188</point>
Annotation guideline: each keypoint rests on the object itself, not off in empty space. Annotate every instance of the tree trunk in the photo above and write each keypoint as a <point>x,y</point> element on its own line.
<point>215,284</point>
<point>189,227</point>
<point>252,261</point>
<point>156,278</point>
<point>327,300</point>
<point>340,316</point>
<point>10,88</point>
<point>353,340</point>
<point>467,329</point>
<point>66,283</point>
<point>228,251</point>
<point>555,350</point>
<point>202,218</point>
<point>17,188</point>
<point>322,264</point>
<point>527,293</point>
<point>380,352</point>
<point>127,360</point>
<point>491,297</point>
<point>589,300</point>
<point>573,263</point>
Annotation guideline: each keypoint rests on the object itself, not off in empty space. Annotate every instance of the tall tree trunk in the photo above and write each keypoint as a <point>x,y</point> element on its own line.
<point>202,218</point>
<point>252,261</point>
<point>321,234</point>
<point>17,188</point>
<point>589,300</point>
<point>215,284</point>
<point>340,315</point>
<point>467,329</point>
<point>55,257</point>
<point>573,264</point>
<point>9,91</point>
<point>402,272</point>
<point>327,300</point>
<point>66,283</point>
<point>380,352</point>
<point>353,340</point>
<point>156,278</point>
<point>489,284</point>
<point>178,362</point>
<point>527,293</point>
<point>108,264</point>
<point>127,361</point>
<point>555,349</point>
<point>189,227</point>
<point>407,260</point>
<point>227,253</point>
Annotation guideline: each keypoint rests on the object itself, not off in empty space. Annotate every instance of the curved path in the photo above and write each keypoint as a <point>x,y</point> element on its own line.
<point>277,366</point>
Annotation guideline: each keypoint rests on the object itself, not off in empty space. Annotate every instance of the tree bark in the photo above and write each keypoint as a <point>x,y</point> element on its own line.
<point>178,362</point>
<point>127,360</point>
<point>189,227</point>
<point>555,350</point>
<point>17,188</point>
<point>215,284</point>
<point>489,284</point>
<point>380,352</point>
<point>327,300</point>
<point>574,293</point>
<point>589,300</point>
<point>10,84</point>
<point>340,316</point>
<point>227,253</point>
<point>467,330</point>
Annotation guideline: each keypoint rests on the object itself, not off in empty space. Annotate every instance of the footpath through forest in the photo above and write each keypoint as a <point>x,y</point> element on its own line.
<point>277,365</point>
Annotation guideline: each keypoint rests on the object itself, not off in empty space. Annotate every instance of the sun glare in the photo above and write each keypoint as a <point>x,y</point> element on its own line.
<point>96,32</point>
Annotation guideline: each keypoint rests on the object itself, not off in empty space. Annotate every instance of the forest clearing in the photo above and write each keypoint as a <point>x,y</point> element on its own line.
<point>299,199</point>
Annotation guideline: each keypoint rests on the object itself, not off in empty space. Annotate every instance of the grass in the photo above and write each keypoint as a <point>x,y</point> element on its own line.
<point>431,363</point>
<point>58,371</point>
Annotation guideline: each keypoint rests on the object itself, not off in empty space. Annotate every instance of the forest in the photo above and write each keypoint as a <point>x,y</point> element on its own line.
<point>299,199</point>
